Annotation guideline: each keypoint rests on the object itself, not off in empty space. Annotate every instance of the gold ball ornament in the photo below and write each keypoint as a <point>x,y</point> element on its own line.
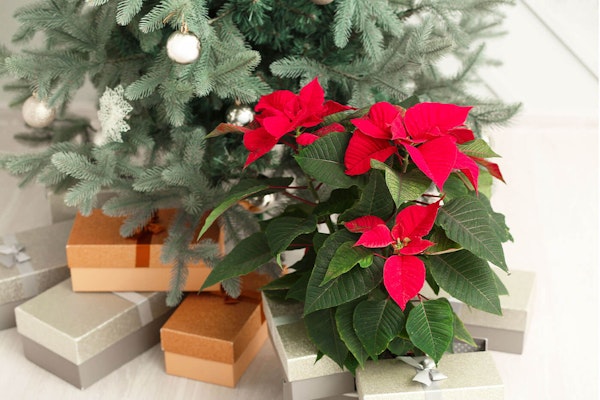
<point>239,115</point>
<point>183,48</point>
<point>322,2</point>
<point>36,113</point>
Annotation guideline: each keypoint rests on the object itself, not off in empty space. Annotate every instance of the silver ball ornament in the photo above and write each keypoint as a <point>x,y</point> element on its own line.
<point>239,115</point>
<point>259,205</point>
<point>36,113</point>
<point>183,48</point>
<point>322,2</point>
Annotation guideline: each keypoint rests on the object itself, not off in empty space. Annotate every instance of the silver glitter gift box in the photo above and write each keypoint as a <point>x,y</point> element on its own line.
<point>470,376</point>
<point>505,333</point>
<point>82,337</point>
<point>30,262</point>
<point>305,378</point>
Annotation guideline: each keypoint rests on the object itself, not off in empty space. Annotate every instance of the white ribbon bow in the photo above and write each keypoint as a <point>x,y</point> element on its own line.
<point>13,254</point>
<point>427,372</point>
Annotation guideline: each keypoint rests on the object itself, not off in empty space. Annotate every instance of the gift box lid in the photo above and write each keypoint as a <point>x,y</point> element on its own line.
<point>207,326</point>
<point>515,306</point>
<point>46,266</point>
<point>95,241</point>
<point>297,353</point>
<point>471,376</point>
<point>279,312</point>
<point>78,326</point>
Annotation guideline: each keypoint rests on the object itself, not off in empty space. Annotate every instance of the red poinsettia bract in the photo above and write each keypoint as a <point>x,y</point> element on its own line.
<point>403,272</point>
<point>371,139</point>
<point>282,112</point>
<point>430,133</point>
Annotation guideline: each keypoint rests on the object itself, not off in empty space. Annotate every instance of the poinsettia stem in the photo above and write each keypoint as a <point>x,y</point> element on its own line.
<point>300,199</point>
<point>465,181</point>
<point>405,163</point>
<point>421,297</point>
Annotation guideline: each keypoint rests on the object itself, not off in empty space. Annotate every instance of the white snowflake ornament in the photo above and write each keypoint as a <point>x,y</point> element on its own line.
<point>114,110</point>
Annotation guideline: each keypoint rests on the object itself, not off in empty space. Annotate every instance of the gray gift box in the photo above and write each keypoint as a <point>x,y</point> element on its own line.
<point>31,262</point>
<point>470,376</point>
<point>305,377</point>
<point>505,333</point>
<point>82,337</point>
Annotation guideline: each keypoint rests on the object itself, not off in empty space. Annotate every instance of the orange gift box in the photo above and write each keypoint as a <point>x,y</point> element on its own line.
<point>213,341</point>
<point>100,259</point>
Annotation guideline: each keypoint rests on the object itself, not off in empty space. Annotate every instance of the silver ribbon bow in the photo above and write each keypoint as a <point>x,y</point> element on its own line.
<point>427,372</point>
<point>13,254</point>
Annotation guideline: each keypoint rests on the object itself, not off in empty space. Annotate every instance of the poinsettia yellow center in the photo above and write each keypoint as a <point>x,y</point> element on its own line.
<point>400,243</point>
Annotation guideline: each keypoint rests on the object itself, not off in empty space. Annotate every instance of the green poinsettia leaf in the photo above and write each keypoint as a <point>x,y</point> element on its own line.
<point>231,200</point>
<point>284,282</point>
<point>339,201</point>
<point>467,221</point>
<point>247,256</point>
<point>392,180</point>
<point>409,102</point>
<point>375,199</point>
<point>377,323</point>
<point>344,116</point>
<point>468,278</point>
<point>298,290</point>
<point>461,333</point>
<point>400,346</point>
<point>502,290</point>
<point>351,363</point>
<point>431,281</point>
<point>345,258</point>
<point>497,220</point>
<point>347,287</point>
<point>430,326</point>
<point>441,242</point>
<point>406,187</point>
<point>344,321</point>
<point>454,187</point>
<point>244,189</point>
<point>485,182</point>
<point>477,148</point>
<point>282,231</point>
<point>324,161</point>
<point>322,330</point>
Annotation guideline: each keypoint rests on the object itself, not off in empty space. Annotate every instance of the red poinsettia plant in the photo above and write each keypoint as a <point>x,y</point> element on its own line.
<point>385,201</point>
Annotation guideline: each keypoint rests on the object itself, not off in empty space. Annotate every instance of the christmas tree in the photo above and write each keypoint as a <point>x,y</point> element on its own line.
<point>169,72</point>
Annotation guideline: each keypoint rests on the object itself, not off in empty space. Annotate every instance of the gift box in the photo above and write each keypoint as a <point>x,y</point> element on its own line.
<point>30,262</point>
<point>505,333</point>
<point>213,339</point>
<point>100,259</point>
<point>470,376</point>
<point>305,378</point>
<point>82,337</point>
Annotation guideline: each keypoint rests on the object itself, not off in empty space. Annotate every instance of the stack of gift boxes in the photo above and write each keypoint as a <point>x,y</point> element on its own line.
<point>470,375</point>
<point>86,301</point>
